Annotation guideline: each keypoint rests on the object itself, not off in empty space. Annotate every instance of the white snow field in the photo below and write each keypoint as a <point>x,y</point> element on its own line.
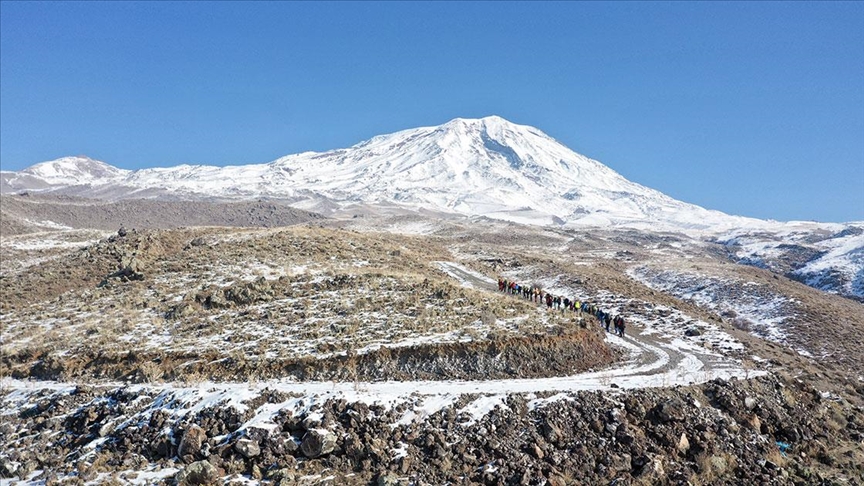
<point>479,167</point>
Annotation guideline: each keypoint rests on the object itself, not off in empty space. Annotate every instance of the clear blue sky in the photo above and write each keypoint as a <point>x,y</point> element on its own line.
<point>750,108</point>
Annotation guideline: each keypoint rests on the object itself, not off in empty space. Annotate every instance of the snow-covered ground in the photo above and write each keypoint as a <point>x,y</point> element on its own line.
<point>20,252</point>
<point>657,355</point>
<point>763,311</point>
<point>829,257</point>
<point>648,365</point>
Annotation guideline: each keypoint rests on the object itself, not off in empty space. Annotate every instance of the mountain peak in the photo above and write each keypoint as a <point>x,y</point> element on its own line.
<point>489,122</point>
<point>74,170</point>
<point>486,166</point>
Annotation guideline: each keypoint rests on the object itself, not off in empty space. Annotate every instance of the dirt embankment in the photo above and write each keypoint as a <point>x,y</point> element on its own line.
<point>572,351</point>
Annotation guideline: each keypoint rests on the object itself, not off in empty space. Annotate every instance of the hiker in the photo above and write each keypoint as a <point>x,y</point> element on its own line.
<point>621,327</point>
<point>608,320</point>
<point>549,300</point>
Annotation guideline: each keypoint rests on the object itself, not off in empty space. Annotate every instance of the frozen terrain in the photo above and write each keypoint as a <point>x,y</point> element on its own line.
<point>479,167</point>
<point>486,167</point>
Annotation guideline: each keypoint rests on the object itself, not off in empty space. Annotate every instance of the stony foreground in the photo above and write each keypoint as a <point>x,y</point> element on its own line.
<point>767,430</point>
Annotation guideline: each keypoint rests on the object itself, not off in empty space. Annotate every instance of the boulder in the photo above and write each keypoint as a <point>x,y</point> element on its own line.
<point>620,463</point>
<point>683,444</point>
<point>192,440</point>
<point>387,479</point>
<point>247,448</point>
<point>317,442</point>
<point>201,472</point>
<point>672,410</point>
<point>719,464</point>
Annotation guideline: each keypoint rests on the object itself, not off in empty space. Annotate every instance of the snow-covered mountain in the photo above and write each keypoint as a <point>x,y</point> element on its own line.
<point>478,167</point>
<point>475,167</point>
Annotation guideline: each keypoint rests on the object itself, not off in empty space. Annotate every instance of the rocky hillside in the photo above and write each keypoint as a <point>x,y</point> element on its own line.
<point>770,430</point>
<point>355,351</point>
<point>31,213</point>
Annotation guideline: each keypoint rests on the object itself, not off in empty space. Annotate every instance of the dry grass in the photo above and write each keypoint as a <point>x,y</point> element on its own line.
<point>714,468</point>
<point>253,294</point>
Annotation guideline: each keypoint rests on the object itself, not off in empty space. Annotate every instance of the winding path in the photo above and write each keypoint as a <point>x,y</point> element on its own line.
<point>654,360</point>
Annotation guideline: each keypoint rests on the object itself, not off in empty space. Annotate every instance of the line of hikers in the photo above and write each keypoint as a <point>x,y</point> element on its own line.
<point>537,295</point>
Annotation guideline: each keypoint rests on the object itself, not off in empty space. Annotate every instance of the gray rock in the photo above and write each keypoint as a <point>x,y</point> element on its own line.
<point>282,445</point>
<point>672,410</point>
<point>619,463</point>
<point>387,479</point>
<point>719,464</point>
<point>683,444</point>
<point>551,432</point>
<point>201,472</point>
<point>692,331</point>
<point>192,440</point>
<point>247,448</point>
<point>8,468</point>
<point>317,442</point>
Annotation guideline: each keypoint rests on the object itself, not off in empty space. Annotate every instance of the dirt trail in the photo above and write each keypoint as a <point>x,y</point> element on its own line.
<point>654,359</point>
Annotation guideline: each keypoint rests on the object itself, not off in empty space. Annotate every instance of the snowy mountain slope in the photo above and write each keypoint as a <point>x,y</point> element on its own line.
<point>478,167</point>
<point>71,171</point>
<point>826,256</point>
<point>474,167</point>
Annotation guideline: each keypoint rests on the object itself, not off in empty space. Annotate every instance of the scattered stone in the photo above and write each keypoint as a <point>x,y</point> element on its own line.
<point>198,473</point>
<point>671,410</point>
<point>754,423</point>
<point>317,442</point>
<point>683,444</point>
<point>719,464</point>
<point>387,479</point>
<point>537,451</point>
<point>247,448</point>
<point>192,440</point>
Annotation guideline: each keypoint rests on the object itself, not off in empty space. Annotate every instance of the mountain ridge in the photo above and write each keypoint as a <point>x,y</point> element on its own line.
<point>486,167</point>
<point>476,167</point>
